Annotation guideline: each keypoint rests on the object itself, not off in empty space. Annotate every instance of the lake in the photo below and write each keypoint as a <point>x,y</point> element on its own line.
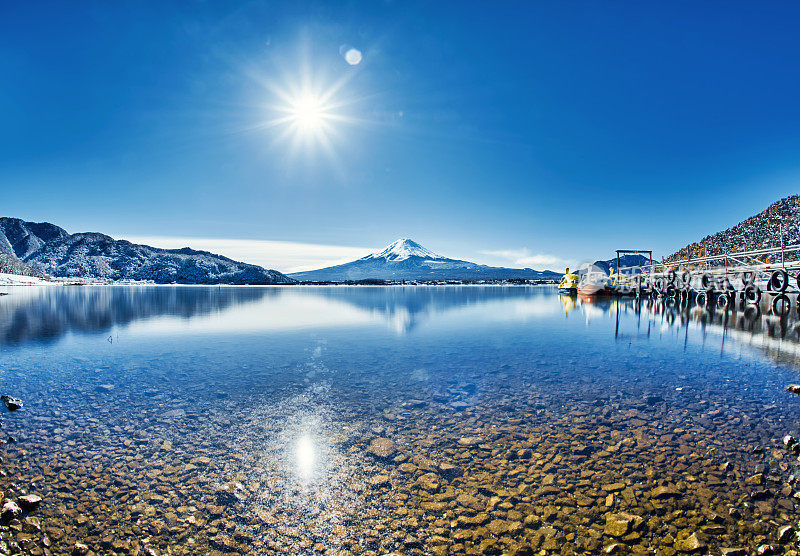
<point>419,420</point>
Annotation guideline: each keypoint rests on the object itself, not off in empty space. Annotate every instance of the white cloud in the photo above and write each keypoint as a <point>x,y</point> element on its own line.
<point>285,256</point>
<point>538,261</point>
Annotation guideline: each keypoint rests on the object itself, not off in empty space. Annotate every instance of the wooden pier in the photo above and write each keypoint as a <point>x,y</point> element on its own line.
<point>724,281</point>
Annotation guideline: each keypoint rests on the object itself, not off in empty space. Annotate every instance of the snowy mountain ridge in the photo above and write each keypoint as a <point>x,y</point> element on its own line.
<point>406,259</point>
<point>401,250</point>
<point>54,251</point>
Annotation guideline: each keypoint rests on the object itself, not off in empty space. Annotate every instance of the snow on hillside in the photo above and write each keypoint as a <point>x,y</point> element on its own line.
<point>401,250</point>
<point>18,280</point>
<point>778,223</point>
<point>408,260</point>
<point>92,255</point>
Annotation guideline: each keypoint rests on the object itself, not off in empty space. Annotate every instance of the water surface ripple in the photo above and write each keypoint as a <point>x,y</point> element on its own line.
<point>417,420</point>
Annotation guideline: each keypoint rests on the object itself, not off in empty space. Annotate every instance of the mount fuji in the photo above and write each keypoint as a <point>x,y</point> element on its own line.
<point>406,259</point>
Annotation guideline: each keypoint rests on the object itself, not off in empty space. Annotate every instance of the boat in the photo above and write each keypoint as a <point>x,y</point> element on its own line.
<point>569,283</point>
<point>620,283</point>
<point>594,281</point>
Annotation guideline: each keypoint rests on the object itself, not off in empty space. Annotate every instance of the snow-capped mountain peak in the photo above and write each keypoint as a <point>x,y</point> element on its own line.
<point>402,249</point>
<point>406,259</point>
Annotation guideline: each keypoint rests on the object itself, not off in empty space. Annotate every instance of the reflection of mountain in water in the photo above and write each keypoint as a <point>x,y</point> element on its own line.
<point>404,307</point>
<point>44,314</point>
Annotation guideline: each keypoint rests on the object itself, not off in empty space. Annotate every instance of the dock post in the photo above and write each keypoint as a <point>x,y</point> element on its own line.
<point>726,257</point>
<point>783,264</point>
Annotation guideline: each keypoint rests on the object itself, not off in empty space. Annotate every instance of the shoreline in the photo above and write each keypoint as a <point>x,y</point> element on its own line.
<point>56,283</point>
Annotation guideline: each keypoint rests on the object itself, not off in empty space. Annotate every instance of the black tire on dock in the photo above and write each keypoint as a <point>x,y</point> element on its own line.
<point>707,281</point>
<point>671,276</point>
<point>752,294</point>
<point>686,278</point>
<point>779,281</point>
<point>702,299</point>
<point>672,291</point>
<point>727,286</point>
<point>752,312</point>
<point>723,300</point>
<point>658,285</point>
<point>748,278</point>
<point>781,306</point>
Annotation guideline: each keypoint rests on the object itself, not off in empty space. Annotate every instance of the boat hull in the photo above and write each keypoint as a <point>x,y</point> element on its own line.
<point>594,289</point>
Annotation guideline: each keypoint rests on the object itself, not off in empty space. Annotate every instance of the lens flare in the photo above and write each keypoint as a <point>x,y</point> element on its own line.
<point>353,56</point>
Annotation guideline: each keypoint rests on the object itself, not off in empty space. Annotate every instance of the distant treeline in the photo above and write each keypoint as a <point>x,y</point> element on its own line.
<point>382,282</point>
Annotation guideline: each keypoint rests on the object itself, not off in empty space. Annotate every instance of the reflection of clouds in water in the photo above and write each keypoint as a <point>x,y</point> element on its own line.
<point>534,308</point>
<point>292,309</point>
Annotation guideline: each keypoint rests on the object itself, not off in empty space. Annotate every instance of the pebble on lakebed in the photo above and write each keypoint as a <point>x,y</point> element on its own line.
<point>521,472</point>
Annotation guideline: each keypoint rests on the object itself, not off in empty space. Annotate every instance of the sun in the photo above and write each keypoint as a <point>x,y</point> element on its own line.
<point>311,112</point>
<point>308,118</point>
<point>308,112</point>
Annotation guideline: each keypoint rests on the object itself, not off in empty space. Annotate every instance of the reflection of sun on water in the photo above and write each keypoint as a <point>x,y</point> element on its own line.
<point>305,455</point>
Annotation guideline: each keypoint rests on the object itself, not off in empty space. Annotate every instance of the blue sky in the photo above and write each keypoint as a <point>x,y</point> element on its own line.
<point>517,133</point>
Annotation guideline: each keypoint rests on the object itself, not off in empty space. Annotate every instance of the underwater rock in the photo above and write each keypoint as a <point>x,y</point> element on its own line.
<point>734,551</point>
<point>377,481</point>
<point>665,492</point>
<point>653,399</point>
<point>12,404</point>
<point>620,524</point>
<point>785,534</point>
<point>30,501</point>
<point>382,448</point>
<point>692,543</point>
<point>10,510</point>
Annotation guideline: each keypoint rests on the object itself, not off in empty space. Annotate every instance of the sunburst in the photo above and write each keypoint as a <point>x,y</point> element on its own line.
<point>310,116</point>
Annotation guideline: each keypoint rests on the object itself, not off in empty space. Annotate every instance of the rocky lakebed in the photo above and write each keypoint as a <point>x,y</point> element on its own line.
<point>525,473</point>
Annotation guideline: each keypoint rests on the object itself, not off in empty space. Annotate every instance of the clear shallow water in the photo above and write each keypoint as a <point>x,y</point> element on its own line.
<point>193,419</point>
